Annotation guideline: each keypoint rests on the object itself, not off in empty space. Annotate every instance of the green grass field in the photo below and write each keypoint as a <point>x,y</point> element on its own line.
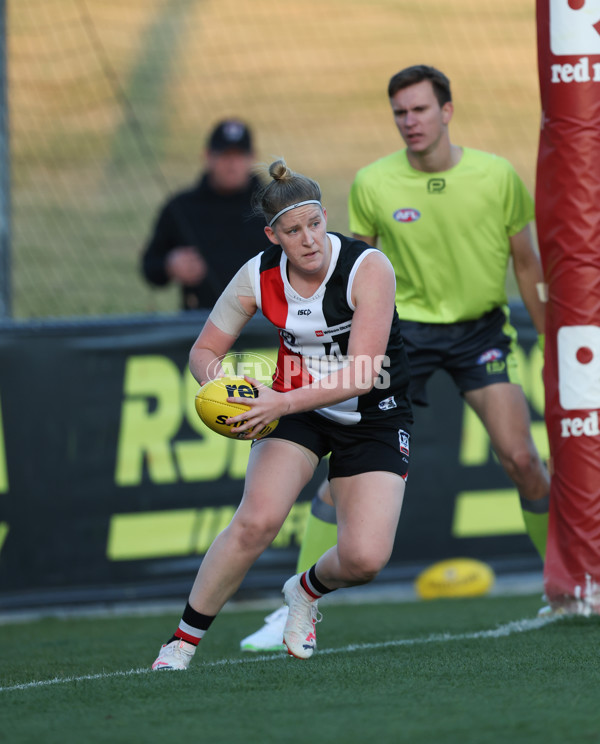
<point>434,672</point>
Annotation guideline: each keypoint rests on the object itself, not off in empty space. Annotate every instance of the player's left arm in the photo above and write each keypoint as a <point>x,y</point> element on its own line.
<point>528,273</point>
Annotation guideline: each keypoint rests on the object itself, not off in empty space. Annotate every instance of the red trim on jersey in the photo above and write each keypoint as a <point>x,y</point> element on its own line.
<point>272,295</point>
<point>291,372</point>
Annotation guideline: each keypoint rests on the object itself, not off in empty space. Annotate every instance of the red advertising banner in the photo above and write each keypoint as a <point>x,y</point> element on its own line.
<point>568,225</point>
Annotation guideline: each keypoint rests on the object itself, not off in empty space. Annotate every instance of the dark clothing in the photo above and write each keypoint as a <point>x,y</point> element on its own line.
<point>222,228</point>
<point>363,448</point>
<point>475,353</point>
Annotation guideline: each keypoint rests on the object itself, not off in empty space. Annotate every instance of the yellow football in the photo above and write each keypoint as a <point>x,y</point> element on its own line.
<point>213,408</point>
<point>455,577</point>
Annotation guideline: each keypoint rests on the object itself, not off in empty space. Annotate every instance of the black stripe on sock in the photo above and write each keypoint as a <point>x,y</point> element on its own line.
<point>321,588</point>
<point>196,619</point>
<point>540,506</point>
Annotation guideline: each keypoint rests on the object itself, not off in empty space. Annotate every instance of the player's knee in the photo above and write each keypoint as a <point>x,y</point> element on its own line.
<point>361,567</point>
<point>526,470</point>
<point>522,462</point>
<point>253,535</point>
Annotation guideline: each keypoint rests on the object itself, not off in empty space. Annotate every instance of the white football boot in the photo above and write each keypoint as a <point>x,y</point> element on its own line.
<point>549,611</point>
<point>270,636</point>
<point>299,633</point>
<point>174,655</point>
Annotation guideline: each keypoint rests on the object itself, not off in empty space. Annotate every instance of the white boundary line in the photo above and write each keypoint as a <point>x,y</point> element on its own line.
<point>377,591</point>
<point>516,626</point>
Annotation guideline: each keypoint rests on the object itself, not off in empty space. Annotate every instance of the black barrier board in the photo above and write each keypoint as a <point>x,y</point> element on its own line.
<point>112,488</point>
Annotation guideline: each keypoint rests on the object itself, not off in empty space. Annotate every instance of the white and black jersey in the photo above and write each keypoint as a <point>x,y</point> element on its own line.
<point>314,332</point>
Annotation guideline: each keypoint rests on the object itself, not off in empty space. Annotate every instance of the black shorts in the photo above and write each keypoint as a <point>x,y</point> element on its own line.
<point>475,353</point>
<point>357,448</point>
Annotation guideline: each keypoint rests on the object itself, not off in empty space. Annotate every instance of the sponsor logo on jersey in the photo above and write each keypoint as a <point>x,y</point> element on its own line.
<point>491,355</point>
<point>436,185</point>
<point>305,311</point>
<point>288,337</point>
<point>404,441</point>
<point>407,214</point>
<point>335,330</point>
<point>387,403</point>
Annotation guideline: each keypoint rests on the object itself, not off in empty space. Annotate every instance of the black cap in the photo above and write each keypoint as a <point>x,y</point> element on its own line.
<point>230,134</point>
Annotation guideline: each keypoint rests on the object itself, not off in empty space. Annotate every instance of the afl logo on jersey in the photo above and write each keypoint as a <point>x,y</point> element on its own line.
<point>288,337</point>
<point>491,355</point>
<point>404,441</point>
<point>407,215</point>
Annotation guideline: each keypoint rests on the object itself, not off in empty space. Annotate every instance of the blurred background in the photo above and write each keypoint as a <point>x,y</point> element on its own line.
<point>110,103</point>
<point>109,107</point>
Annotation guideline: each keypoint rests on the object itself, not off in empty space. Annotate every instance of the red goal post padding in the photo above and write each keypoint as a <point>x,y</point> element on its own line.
<point>568,224</point>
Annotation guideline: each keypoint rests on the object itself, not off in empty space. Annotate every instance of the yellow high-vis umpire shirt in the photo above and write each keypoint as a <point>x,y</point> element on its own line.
<point>446,234</point>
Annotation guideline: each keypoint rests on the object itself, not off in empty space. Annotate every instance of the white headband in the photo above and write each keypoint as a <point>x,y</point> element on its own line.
<point>293,206</point>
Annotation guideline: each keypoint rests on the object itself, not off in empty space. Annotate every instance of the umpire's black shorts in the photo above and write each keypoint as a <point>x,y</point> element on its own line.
<point>475,353</point>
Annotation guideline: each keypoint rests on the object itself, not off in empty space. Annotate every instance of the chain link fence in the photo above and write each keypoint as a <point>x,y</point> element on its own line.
<point>110,103</point>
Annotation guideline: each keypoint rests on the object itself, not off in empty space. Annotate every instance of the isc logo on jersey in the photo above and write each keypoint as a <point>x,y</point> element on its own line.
<point>407,214</point>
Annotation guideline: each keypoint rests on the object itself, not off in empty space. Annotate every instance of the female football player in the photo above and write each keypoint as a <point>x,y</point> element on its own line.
<point>340,388</point>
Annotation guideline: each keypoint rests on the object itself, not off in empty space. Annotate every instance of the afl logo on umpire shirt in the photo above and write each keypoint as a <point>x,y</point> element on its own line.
<point>407,215</point>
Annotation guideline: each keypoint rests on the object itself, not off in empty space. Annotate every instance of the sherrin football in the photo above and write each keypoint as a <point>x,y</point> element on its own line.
<point>455,577</point>
<point>214,410</point>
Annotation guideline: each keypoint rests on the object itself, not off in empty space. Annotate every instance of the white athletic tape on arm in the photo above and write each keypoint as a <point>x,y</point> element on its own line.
<point>542,290</point>
<point>228,314</point>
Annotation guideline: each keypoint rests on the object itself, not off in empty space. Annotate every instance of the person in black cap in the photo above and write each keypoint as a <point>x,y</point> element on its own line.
<point>204,234</point>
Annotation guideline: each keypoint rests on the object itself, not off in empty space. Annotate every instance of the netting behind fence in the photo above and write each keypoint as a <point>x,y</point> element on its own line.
<point>111,101</point>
